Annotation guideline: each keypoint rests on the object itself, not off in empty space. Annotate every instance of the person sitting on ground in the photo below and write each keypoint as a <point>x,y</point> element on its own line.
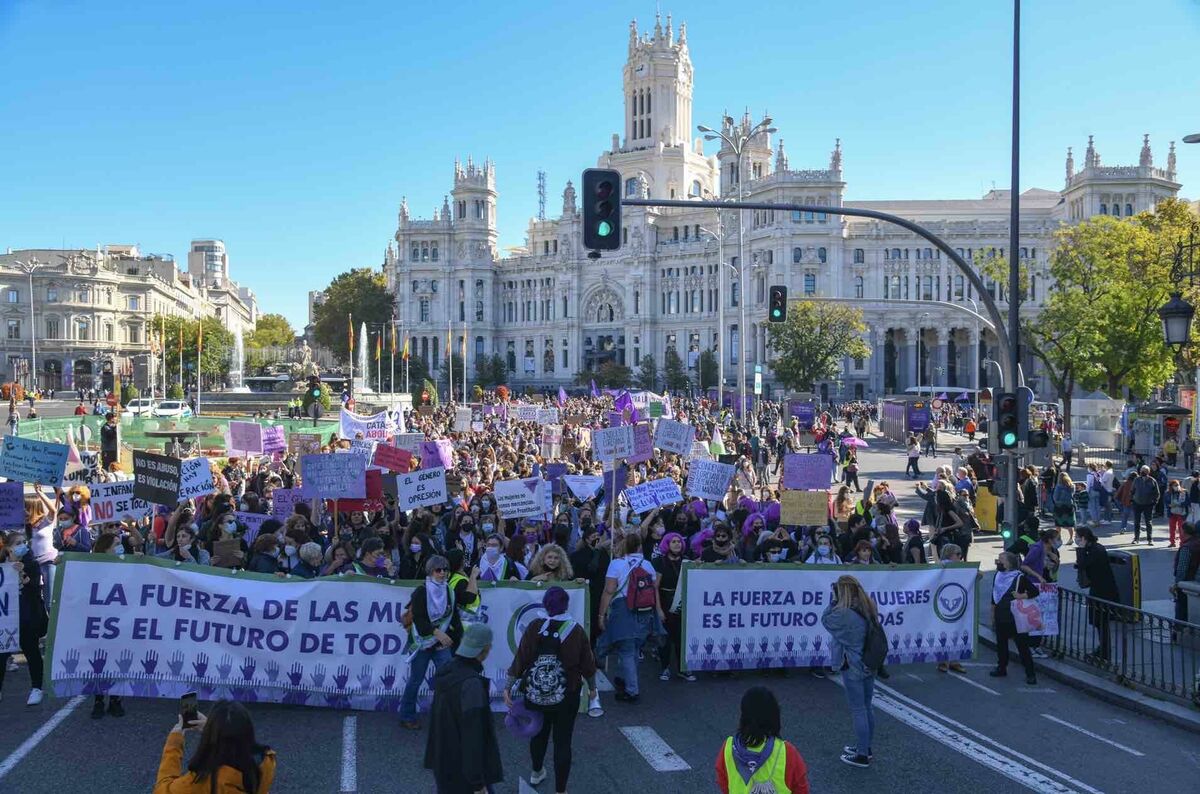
<point>228,759</point>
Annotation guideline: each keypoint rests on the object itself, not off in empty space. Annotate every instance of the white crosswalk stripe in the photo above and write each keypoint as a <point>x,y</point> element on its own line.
<point>654,749</point>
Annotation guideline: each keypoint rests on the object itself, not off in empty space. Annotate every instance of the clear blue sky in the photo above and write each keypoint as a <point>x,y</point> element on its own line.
<point>291,129</point>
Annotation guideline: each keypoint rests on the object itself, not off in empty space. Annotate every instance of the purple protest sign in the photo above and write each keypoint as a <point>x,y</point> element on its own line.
<point>274,439</point>
<point>246,437</point>
<point>807,472</point>
<point>554,473</point>
<point>282,502</point>
<point>643,444</point>
<point>615,419</point>
<point>437,453</point>
<point>12,505</point>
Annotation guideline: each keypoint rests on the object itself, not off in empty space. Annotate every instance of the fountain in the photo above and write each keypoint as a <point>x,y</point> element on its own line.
<point>237,366</point>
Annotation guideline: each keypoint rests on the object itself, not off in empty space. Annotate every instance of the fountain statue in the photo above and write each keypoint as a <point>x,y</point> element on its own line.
<point>237,366</point>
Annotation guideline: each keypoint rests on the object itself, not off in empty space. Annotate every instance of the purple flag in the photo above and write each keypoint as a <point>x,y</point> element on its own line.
<point>625,402</point>
<point>595,391</point>
<point>562,396</point>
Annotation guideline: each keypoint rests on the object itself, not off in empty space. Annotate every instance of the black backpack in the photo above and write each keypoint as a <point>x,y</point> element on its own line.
<point>875,645</point>
<point>545,682</point>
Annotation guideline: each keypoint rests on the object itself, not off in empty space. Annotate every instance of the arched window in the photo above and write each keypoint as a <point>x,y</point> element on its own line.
<point>631,186</point>
<point>675,233</point>
<point>858,286</point>
<point>810,284</point>
<point>895,253</point>
<point>697,189</point>
<point>859,256</point>
<point>958,287</point>
<point>1103,209</point>
<point>822,255</point>
<point>887,254</point>
<point>797,255</point>
<point>1128,210</point>
<point>895,294</point>
<point>433,252</point>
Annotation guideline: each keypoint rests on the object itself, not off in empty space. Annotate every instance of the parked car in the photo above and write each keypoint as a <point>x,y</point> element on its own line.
<point>142,406</point>
<point>173,409</point>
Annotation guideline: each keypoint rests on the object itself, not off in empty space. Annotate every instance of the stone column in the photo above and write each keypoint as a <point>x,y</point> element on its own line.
<point>913,335</point>
<point>943,357</point>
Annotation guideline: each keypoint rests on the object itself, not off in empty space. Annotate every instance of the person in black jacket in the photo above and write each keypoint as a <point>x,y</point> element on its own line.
<point>1096,574</point>
<point>266,555</point>
<point>32,620</point>
<point>1008,586</point>
<point>590,561</point>
<point>461,749</point>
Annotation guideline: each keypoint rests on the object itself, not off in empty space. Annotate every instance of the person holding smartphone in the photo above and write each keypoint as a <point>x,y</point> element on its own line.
<point>228,758</point>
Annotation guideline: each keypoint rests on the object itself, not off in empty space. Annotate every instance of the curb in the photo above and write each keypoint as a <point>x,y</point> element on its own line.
<point>1081,678</point>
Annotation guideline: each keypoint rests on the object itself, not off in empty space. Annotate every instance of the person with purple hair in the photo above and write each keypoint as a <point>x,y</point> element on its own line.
<point>669,564</point>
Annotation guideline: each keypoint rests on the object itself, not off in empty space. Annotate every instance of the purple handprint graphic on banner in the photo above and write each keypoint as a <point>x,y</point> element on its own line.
<point>272,671</point>
<point>125,661</point>
<point>318,675</point>
<point>365,676</point>
<point>296,674</point>
<point>200,665</point>
<point>248,668</point>
<point>70,661</point>
<point>99,659</point>
<point>341,676</point>
<point>175,665</point>
<point>388,679</point>
<point>225,667</point>
<point>150,662</point>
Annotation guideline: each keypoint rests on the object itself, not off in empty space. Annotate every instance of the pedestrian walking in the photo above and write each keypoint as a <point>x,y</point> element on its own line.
<point>1095,573</point>
<point>1144,497</point>
<point>17,557</point>
<point>858,647</point>
<point>1177,508</point>
<point>228,759</point>
<point>1008,586</point>
<point>756,758</point>
<point>629,614</point>
<point>913,467</point>
<point>551,663</point>
<point>1062,501</point>
<point>433,628</point>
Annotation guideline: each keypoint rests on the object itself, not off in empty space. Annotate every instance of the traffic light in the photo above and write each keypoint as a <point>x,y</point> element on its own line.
<point>314,387</point>
<point>1006,533</point>
<point>777,304</point>
<point>1007,420</point>
<point>601,209</point>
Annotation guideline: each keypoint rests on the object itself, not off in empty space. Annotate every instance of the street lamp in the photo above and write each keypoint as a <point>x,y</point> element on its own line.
<point>29,268</point>
<point>1177,314</point>
<point>737,143</point>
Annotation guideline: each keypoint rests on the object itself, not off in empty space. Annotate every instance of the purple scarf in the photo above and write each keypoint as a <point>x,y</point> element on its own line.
<point>750,761</point>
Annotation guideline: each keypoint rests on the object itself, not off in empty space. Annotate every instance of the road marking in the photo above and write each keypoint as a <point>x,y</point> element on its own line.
<point>1095,736</point>
<point>602,682</point>
<point>49,725</point>
<point>1037,690</point>
<point>525,788</point>
<point>976,664</point>
<point>900,699</point>
<point>914,677</point>
<point>975,684</point>
<point>658,753</point>
<point>349,755</point>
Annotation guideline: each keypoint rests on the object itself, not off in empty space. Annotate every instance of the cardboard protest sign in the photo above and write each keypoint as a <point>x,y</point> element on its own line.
<point>804,508</point>
<point>652,494</point>
<point>113,502</point>
<point>32,461</point>
<point>157,477</point>
<point>245,438</point>
<point>462,419</point>
<point>303,443</point>
<point>611,443</point>
<point>437,453</point>
<point>274,440</point>
<point>195,478</point>
<point>700,451</point>
<point>672,436</point>
<point>1038,617</point>
<point>389,457</point>
<point>425,410</point>
<point>283,501</point>
<point>708,479</point>
<point>334,476</point>
<point>12,505</point>
<point>85,472</point>
<point>410,442</point>
<point>807,472</point>
<point>575,419</point>
<point>584,486</point>
<point>520,498</point>
<point>421,488</point>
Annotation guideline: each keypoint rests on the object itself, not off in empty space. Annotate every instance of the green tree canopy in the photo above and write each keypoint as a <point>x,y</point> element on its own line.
<point>675,377</point>
<point>609,375</point>
<point>810,346</point>
<point>354,297</point>
<point>647,377</point>
<point>217,347</point>
<point>708,369</point>
<point>271,330</point>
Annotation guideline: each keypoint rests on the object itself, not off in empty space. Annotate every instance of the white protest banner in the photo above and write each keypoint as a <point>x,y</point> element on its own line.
<point>709,479</point>
<point>85,472</point>
<point>462,419</point>
<point>113,502</point>
<point>927,612</point>
<point>283,501</point>
<point>410,442</point>
<point>547,416</point>
<point>376,427</point>
<point>672,436</point>
<point>421,488</point>
<point>652,494</point>
<point>552,434</point>
<point>10,609</point>
<point>611,443</point>
<point>252,522</point>
<point>1038,617</point>
<point>146,627</point>
<point>245,438</point>
<point>520,498</point>
<point>32,461</point>
<point>700,451</point>
<point>334,476</point>
<point>527,413</point>
<point>584,486</point>
<point>364,447</point>
<point>195,478</point>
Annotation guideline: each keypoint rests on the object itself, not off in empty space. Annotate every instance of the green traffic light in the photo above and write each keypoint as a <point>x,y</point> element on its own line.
<point>1010,439</point>
<point>604,229</point>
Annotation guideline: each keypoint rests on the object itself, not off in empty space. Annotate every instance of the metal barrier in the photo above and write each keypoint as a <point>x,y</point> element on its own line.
<point>1137,647</point>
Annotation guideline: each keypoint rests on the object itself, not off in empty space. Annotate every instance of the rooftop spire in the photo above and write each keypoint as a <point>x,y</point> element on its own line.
<point>835,159</point>
<point>781,161</point>
<point>1171,161</point>
<point>1089,158</point>
<point>1147,158</point>
<point>1070,165</point>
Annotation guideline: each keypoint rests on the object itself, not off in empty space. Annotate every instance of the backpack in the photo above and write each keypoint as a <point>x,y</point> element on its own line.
<point>545,682</point>
<point>640,595</point>
<point>875,646</point>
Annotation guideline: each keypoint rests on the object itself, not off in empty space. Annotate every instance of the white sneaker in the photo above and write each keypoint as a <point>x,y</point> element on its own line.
<point>537,777</point>
<point>12,664</point>
<point>35,697</point>
<point>665,675</point>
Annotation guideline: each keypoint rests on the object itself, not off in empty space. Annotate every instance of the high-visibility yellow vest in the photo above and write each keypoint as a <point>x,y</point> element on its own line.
<point>471,604</point>
<point>771,776</point>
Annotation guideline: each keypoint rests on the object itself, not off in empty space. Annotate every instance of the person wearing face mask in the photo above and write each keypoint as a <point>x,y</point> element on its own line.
<point>466,538</point>
<point>229,549</point>
<point>293,539</point>
<point>434,627</point>
<point>590,562</point>
<point>823,552</point>
<point>723,549</point>
<point>69,535</point>
<point>186,549</point>
<point>494,565</point>
<point>373,560</point>
<point>914,544</point>
<point>1008,586</point>
<point>17,557</point>
<point>266,555</point>
<point>778,546</point>
<point>669,564</point>
<point>412,562</point>
<point>465,587</point>
<point>108,543</point>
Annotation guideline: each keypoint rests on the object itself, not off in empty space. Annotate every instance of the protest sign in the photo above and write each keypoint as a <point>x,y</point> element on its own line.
<point>804,508</point>
<point>196,478</point>
<point>656,410</point>
<point>1038,617</point>
<point>274,440</point>
<point>12,505</point>
<point>389,457</point>
<point>146,627</point>
<point>377,427</point>
<point>462,419</point>
<point>652,494</point>
<point>245,438</point>
<point>520,498</point>
<point>643,443</point>
<point>615,418</point>
<point>672,436</point>
<point>85,472</point>
<point>575,419</point>
<point>425,410</point>
<point>303,443</point>
<point>700,451</point>
<point>421,488</point>
<point>547,416</point>
<point>584,486</point>
<point>32,461</point>
<point>437,453</point>
<point>252,522</point>
<point>410,442</point>
<point>927,612</point>
<point>552,434</point>
<point>807,472</point>
<point>364,447</point>
<point>611,443</point>
<point>527,413</point>
<point>709,479</point>
<point>156,478</point>
<point>373,485</point>
<point>555,473</point>
<point>334,476</point>
<point>283,501</point>
<point>10,609</point>
<point>113,502</point>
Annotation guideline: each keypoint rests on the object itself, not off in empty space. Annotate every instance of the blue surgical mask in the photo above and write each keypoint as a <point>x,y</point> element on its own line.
<point>823,551</point>
<point>20,550</point>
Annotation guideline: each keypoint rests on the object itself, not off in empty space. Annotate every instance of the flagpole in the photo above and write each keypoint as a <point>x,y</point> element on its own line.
<point>181,352</point>
<point>392,379</point>
<point>350,382</point>
<point>199,350</point>
<point>463,351</point>
<point>450,349</point>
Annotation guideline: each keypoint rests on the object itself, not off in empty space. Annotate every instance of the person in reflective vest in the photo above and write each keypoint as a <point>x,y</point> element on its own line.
<point>756,760</point>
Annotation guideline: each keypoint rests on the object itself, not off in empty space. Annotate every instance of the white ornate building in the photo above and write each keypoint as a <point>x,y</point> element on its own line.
<point>552,312</point>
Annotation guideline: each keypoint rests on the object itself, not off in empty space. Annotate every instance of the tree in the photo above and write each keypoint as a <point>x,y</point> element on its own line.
<point>675,377</point>
<point>647,377</point>
<point>609,375</point>
<point>216,350</point>
<point>814,340</point>
<point>356,296</point>
<point>418,373</point>
<point>430,388</point>
<point>452,371</point>
<point>174,392</point>
<point>708,370</point>
<point>271,330</point>
<point>491,371</point>
<point>129,393</point>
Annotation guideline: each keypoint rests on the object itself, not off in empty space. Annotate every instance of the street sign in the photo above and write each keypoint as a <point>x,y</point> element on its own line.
<point>937,405</point>
<point>758,383</point>
<point>111,400</point>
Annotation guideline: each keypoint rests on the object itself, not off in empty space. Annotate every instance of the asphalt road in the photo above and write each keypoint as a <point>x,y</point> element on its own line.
<point>934,732</point>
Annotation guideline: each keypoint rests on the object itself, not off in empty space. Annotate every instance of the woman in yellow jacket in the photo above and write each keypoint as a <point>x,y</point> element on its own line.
<point>228,760</point>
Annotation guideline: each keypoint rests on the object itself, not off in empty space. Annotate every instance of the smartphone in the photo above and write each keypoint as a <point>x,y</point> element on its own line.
<point>189,708</point>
